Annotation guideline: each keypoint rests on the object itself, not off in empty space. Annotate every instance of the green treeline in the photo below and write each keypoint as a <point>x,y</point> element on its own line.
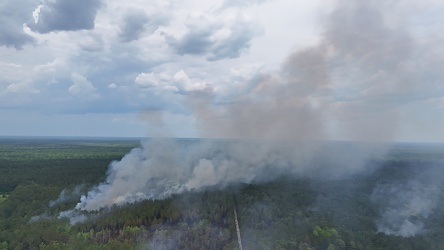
<point>54,162</point>
<point>289,213</point>
<point>34,173</point>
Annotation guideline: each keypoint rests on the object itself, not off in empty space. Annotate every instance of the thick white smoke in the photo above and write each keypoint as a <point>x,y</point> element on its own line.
<point>162,167</point>
<point>345,85</point>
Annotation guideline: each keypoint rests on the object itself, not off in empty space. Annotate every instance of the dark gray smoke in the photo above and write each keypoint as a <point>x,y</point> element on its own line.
<point>345,86</point>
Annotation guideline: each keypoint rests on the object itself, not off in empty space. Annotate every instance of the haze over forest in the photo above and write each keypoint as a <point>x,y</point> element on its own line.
<point>310,116</point>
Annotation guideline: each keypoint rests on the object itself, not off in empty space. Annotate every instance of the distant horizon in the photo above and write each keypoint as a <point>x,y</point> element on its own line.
<point>319,70</point>
<point>136,138</point>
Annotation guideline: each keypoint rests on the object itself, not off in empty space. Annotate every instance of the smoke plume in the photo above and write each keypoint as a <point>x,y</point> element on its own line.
<point>66,195</point>
<point>406,205</point>
<point>279,123</point>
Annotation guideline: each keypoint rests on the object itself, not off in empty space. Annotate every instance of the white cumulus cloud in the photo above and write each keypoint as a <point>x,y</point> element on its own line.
<point>82,88</point>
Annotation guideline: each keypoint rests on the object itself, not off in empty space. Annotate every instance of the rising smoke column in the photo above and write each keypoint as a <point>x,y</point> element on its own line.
<point>162,167</point>
<point>347,80</point>
<point>354,78</point>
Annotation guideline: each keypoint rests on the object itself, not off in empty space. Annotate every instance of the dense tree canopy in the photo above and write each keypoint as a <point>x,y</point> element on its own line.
<point>289,213</point>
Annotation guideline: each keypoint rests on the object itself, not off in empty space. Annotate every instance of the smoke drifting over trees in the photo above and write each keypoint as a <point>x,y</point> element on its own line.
<point>406,205</point>
<point>283,119</point>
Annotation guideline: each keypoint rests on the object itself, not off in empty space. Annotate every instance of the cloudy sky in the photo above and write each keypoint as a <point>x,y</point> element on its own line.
<point>196,68</point>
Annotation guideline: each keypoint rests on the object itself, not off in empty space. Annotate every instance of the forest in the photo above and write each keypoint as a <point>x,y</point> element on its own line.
<point>399,205</point>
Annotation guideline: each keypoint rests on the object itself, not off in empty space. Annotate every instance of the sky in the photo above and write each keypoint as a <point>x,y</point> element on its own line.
<point>368,70</point>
